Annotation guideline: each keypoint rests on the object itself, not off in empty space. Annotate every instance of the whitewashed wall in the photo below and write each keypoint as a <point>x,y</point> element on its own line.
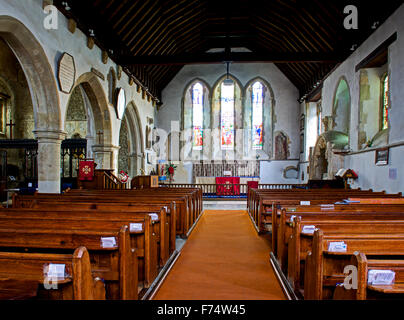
<point>286,109</point>
<point>371,176</point>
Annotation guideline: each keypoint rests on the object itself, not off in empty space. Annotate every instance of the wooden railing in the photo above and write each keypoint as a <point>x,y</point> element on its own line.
<point>211,189</point>
<point>112,182</point>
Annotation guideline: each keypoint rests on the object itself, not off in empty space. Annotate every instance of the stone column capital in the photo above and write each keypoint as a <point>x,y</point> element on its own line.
<point>50,136</point>
<point>105,148</point>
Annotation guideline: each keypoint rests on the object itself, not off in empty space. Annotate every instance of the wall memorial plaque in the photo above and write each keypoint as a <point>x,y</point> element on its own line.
<point>66,73</point>
<point>120,103</point>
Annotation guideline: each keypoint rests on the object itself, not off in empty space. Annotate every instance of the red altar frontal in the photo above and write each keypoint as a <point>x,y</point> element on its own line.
<point>228,186</point>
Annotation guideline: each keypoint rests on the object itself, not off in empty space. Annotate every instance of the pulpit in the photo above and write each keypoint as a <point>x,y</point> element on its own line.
<point>97,182</point>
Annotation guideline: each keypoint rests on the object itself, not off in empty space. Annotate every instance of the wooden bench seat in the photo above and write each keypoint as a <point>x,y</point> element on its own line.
<point>143,243</point>
<point>301,243</point>
<point>163,225</point>
<point>367,291</point>
<point>281,229</point>
<point>22,276</point>
<point>265,203</point>
<point>116,265</point>
<point>324,269</point>
<point>182,209</point>
<point>170,212</point>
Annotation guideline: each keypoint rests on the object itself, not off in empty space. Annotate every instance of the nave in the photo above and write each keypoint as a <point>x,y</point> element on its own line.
<point>223,259</point>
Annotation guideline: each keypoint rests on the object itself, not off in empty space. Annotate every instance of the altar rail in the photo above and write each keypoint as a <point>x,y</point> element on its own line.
<point>210,189</point>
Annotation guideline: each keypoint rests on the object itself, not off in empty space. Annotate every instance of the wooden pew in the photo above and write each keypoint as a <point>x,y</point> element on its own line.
<point>281,219</point>
<point>193,197</point>
<point>162,226</point>
<point>188,211</point>
<point>261,212</point>
<point>22,276</point>
<point>368,291</point>
<point>115,264</point>
<point>170,226</point>
<point>324,269</point>
<point>297,194</point>
<point>377,201</point>
<point>301,242</point>
<point>142,242</point>
<point>182,218</point>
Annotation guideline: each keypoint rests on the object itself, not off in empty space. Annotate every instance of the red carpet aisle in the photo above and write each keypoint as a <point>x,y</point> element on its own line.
<point>224,259</point>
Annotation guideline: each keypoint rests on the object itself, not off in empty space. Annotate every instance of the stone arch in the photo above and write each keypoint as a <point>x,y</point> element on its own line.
<point>136,139</point>
<point>38,71</point>
<point>99,146</point>
<point>77,110</point>
<point>44,92</point>
<point>341,110</point>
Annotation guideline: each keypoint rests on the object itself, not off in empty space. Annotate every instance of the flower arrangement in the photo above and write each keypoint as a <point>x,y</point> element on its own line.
<point>170,170</point>
<point>123,176</point>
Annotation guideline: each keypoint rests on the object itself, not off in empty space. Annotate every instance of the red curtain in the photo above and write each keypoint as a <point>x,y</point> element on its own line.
<point>226,186</point>
<point>86,170</point>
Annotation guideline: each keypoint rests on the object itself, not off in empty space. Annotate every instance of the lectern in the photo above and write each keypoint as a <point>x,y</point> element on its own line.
<point>145,182</point>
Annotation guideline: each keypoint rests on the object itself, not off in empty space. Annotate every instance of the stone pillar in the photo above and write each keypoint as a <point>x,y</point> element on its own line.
<point>106,156</point>
<point>90,142</point>
<point>49,149</point>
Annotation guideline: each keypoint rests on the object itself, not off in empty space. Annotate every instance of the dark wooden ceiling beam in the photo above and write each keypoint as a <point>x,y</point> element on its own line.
<point>273,57</point>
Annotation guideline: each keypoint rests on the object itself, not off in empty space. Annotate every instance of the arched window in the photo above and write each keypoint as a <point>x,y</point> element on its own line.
<point>257,115</point>
<point>227,115</point>
<point>197,116</point>
<point>385,103</point>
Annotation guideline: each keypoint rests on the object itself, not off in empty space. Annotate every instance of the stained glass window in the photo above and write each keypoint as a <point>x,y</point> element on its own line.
<point>227,116</point>
<point>386,103</point>
<point>257,109</point>
<point>197,116</point>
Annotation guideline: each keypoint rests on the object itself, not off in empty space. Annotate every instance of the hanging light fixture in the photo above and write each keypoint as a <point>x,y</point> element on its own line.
<point>228,81</point>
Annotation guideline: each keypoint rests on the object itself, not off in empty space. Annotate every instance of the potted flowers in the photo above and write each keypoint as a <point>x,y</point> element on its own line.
<point>170,170</point>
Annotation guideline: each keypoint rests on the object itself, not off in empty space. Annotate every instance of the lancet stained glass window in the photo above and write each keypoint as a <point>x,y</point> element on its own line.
<point>386,103</point>
<point>257,109</point>
<point>197,116</point>
<point>227,116</point>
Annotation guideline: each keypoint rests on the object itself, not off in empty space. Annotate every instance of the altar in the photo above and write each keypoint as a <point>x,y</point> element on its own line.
<point>226,186</point>
<point>212,180</point>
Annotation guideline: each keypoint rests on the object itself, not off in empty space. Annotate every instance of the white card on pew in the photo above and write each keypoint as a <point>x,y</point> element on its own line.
<point>135,227</point>
<point>381,277</point>
<point>154,216</point>
<point>339,246</point>
<point>165,207</point>
<point>55,270</point>
<point>108,242</point>
<point>327,207</point>
<point>308,229</point>
<point>304,203</point>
